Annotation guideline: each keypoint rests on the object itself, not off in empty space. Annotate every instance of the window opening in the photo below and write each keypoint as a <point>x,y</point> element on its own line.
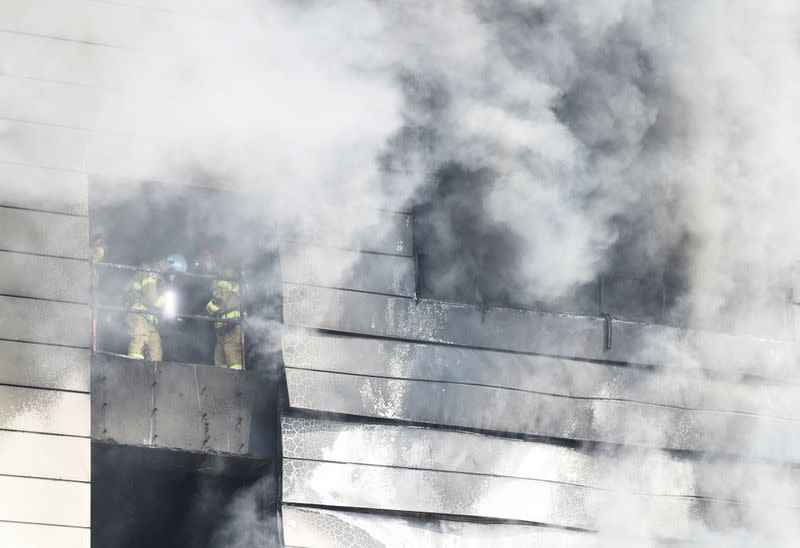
<point>167,273</point>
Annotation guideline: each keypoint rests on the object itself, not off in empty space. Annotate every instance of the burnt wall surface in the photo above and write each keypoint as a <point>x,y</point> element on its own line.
<point>406,414</point>
<point>183,407</point>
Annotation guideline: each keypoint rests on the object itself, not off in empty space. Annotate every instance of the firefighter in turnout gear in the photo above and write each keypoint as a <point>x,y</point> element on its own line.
<point>225,304</point>
<point>99,248</point>
<point>146,294</point>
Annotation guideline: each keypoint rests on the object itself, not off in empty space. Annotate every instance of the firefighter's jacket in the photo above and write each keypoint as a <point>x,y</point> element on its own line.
<point>145,294</point>
<point>98,253</point>
<point>225,302</point>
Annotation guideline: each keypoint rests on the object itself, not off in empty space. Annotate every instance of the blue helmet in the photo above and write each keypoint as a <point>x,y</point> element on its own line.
<point>176,263</point>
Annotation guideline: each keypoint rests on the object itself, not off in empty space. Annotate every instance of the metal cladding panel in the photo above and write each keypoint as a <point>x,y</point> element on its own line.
<point>450,493</point>
<point>514,411</point>
<point>39,188</point>
<point>44,277</point>
<point>79,63</point>
<point>203,408</point>
<point>44,321</point>
<point>178,406</point>
<point>380,231</point>
<point>179,421</point>
<point>682,389</point>
<point>56,103</point>
<point>45,456</point>
<point>428,448</point>
<point>226,401</point>
<point>44,233</point>
<point>53,147</point>
<point>30,535</point>
<point>314,528</point>
<point>632,471</point>
<point>34,500</point>
<point>45,411</point>
<point>534,332</point>
<point>123,400</point>
<point>100,22</point>
<point>60,148</point>
<point>378,273</point>
<point>44,366</point>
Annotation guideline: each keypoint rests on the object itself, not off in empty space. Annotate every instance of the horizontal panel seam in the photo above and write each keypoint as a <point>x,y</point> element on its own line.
<point>37,210</point>
<point>46,478</point>
<point>47,388</point>
<point>542,393</point>
<point>83,527</point>
<point>57,345</point>
<point>521,478</point>
<point>64,39</point>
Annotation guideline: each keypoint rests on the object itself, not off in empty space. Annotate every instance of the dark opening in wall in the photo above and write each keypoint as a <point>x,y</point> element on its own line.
<point>142,224</point>
<point>467,255</point>
<point>163,499</point>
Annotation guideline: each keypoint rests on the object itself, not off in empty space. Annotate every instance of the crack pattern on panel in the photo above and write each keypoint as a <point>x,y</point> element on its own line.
<point>480,497</point>
<point>437,450</point>
<point>339,529</point>
<point>559,376</point>
<point>333,529</point>
<point>512,411</point>
<point>522,331</point>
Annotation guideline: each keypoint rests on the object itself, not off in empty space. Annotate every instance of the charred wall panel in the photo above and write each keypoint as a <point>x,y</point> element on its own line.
<point>123,400</point>
<point>450,493</point>
<point>471,453</point>
<point>683,389</point>
<point>585,337</point>
<point>514,411</point>
<point>311,527</point>
<point>329,267</point>
<point>178,406</point>
<point>44,277</point>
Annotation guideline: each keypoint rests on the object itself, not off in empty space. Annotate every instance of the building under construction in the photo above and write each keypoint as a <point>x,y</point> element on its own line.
<point>372,409</point>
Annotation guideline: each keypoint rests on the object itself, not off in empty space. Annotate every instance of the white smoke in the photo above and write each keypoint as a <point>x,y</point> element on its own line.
<point>667,127</point>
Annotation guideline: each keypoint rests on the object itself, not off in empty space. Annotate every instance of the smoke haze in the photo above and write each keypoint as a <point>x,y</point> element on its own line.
<point>546,144</point>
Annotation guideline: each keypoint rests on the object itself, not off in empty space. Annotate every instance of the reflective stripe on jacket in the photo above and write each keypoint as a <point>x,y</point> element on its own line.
<point>146,295</point>
<point>225,302</point>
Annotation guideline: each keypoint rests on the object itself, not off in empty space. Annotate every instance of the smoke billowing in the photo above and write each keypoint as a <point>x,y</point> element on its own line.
<point>629,139</point>
<point>546,144</point>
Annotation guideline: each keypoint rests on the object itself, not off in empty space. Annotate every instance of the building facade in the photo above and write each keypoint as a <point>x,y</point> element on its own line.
<point>382,418</point>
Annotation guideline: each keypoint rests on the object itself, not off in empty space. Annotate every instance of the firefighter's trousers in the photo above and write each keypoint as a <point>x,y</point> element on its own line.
<point>144,336</point>
<point>228,351</point>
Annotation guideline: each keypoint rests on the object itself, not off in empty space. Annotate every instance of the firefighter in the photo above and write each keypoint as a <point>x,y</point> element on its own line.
<point>225,304</point>
<point>147,297</point>
<point>99,248</point>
